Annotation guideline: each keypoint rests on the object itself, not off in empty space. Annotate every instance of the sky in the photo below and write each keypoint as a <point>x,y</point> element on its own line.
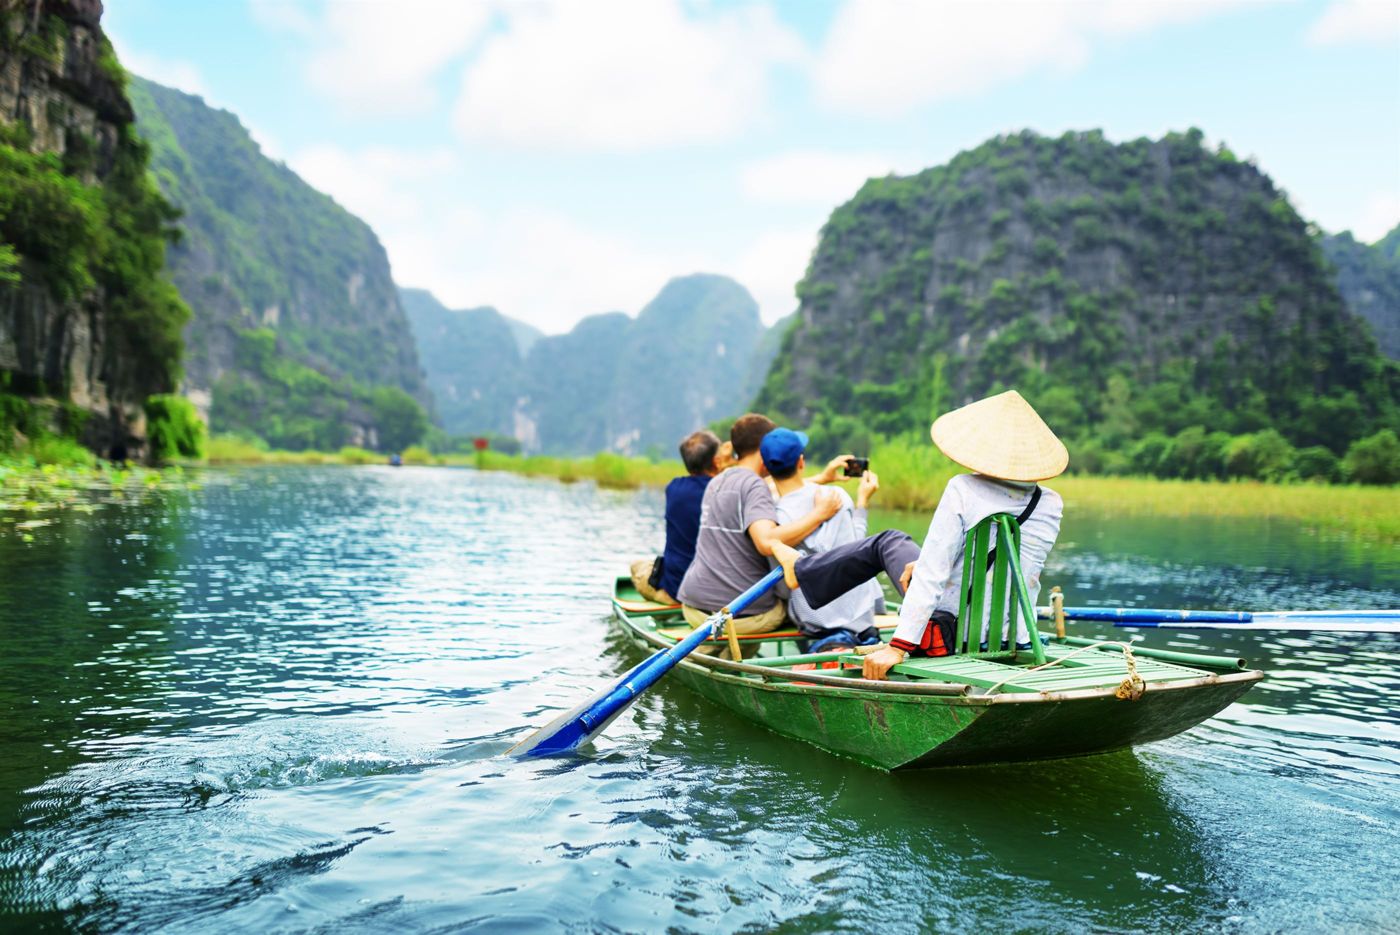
<point>561,158</point>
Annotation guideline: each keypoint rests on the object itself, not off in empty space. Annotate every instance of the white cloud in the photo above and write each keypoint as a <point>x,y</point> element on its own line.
<point>771,266</point>
<point>888,56</point>
<point>537,265</point>
<point>622,75</point>
<point>811,176</point>
<point>549,270</point>
<point>268,143</point>
<point>1350,21</point>
<point>1377,217</point>
<point>173,73</point>
<point>284,15</point>
<point>379,183</point>
<point>377,58</point>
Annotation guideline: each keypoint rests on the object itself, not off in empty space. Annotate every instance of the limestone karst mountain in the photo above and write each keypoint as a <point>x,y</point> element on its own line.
<point>616,383</point>
<point>297,329</point>
<point>1128,289</point>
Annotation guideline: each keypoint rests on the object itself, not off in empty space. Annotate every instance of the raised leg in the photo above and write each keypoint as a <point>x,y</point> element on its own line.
<point>825,576</point>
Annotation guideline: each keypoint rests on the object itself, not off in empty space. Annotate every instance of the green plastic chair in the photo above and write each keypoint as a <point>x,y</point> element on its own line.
<point>1008,587</point>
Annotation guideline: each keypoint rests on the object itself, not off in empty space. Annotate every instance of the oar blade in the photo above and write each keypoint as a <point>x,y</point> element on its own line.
<point>569,731</point>
<point>564,734</point>
<point>575,727</point>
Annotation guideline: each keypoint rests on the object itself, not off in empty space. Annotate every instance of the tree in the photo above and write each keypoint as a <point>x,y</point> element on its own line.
<point>398,417</point>
<point>173,428</point>
<point>1374,460</point>
<point>1264,455</point>
<point>1317,462</point>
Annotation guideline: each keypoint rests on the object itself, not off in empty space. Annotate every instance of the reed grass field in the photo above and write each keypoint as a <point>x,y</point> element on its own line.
<point>912,476</point>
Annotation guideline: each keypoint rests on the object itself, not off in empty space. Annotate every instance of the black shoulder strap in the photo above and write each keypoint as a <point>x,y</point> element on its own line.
<point>1030,507</point>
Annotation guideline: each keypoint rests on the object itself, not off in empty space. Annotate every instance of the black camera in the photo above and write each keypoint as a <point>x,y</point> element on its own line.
<point>856,467</point>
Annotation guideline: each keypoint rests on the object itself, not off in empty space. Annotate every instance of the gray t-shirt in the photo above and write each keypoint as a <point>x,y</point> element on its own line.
<point>726,562</point>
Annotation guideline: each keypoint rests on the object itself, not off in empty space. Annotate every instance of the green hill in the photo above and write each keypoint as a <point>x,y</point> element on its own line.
<point>1148,297</point>
<point>298,335</point>
<point>1369,279</point>
<point>473,362</point>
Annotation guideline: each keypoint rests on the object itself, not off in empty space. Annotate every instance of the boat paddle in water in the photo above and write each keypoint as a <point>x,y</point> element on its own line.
<point>579,725</point>
<point>1355,621</point>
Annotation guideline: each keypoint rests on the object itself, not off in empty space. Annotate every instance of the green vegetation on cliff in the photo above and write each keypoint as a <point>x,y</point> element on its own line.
<point>297,322</point>
<point>86,315</point>
<point>106,240</point>
<point>287,404</point>
<point>1162,304</point>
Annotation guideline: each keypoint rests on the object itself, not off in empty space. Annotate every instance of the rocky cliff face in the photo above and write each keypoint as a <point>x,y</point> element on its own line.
<point>613,383</point>
<point>265,253</point>
<point>1147,286</point>
<point>1368,276</point>
<point>74,327</point>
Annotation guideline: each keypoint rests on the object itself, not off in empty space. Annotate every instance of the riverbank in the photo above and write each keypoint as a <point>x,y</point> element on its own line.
<point>605,469</point>
<point>912,479</point>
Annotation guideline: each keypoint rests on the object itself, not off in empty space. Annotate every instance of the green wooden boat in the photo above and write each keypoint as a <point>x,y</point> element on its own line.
<point>939,712</point>
<point>1071,697</point>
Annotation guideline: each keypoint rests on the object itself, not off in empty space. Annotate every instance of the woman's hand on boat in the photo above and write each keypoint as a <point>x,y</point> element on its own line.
<point>878,664</point>
<point>829,473</point>
<point>906,577</point>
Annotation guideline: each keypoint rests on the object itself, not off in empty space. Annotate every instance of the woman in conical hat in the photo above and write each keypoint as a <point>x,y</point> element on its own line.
<point>1010,450</point>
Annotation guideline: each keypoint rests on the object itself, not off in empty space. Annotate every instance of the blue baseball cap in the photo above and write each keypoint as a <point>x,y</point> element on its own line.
<point>781,448</point>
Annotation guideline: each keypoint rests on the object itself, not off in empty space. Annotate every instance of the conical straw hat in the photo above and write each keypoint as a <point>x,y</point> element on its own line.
<point>1002,437</point>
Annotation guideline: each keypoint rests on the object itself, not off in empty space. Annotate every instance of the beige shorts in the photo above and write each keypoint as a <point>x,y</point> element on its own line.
<point>641,578</point>
<point>766,622</point>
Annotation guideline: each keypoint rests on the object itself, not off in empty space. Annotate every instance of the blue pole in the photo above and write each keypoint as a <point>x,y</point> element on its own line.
<point>1373,621</point>
<point>1148,615</point>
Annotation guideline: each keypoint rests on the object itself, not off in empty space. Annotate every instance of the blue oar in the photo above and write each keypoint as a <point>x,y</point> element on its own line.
<point>1368,621</point>
<point>576,727</point>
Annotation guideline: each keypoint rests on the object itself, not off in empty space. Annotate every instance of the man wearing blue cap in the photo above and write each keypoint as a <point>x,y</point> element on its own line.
<point>738,530</point>
<point>849,620</point>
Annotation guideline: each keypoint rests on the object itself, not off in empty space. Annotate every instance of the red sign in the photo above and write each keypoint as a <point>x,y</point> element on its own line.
<point>481,444</point>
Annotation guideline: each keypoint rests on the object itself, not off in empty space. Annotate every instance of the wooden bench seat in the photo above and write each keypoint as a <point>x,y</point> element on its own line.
<point>883,622</point>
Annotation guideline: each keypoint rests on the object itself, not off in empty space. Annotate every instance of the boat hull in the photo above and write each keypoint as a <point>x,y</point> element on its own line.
<point>901,730</point>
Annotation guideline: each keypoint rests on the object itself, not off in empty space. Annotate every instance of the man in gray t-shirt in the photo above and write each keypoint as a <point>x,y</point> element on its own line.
<point>726,560</point>
<point>738,527</point>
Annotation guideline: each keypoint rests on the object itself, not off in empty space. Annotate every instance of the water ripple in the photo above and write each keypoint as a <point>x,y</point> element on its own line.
<point>282,704</point>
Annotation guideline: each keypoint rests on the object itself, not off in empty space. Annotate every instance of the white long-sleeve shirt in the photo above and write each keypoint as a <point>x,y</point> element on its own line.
<point>856,609</point>
<point>967,500</point>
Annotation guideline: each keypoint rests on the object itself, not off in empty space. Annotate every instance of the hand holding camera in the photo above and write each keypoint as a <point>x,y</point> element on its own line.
<point>869,483</point>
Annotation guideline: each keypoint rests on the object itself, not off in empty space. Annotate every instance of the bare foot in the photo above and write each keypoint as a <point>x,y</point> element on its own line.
<point>787,556</point>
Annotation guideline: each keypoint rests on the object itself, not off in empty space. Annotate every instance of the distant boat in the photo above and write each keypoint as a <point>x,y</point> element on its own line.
<point>395,460</point>
<point>956,710</point>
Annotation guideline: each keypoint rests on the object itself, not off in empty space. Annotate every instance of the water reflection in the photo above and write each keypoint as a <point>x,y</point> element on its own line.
<point>284,708</point>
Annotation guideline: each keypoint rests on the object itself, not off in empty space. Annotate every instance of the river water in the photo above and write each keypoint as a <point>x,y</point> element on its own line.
<point>279,703</point>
